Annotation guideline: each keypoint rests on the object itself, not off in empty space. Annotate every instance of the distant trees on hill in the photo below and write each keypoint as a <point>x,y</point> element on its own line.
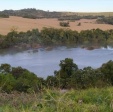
<point>105,20</point>
<point>2,15</point>
<point>32,13</point>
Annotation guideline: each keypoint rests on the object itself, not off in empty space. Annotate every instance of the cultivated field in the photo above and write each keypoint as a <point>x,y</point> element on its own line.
<point>23,24</point>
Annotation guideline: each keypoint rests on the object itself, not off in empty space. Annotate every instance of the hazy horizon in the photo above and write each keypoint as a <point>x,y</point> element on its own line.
<point>59,6</point>
<point>59,11</point>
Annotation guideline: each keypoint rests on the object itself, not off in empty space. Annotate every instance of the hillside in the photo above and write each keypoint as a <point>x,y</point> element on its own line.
<point>24,24</point>
<point>28,19</point>
<point>31,13</point>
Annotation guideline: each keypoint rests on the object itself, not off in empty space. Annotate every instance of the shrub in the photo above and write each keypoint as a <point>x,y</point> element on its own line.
<point>64,24</point>
<point>79,24</point>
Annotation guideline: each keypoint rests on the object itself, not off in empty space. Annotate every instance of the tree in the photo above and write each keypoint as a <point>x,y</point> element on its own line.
<point>17,71</point>
<point>52,81</point>
<point>107,70</point>
<point>7,83</point>
<point>28,82</point>
<point>5,68</point>
<point>67,67</point>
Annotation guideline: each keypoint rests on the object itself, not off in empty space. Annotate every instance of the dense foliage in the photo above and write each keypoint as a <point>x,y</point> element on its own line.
<point>69,76</point>
<point>53,37</point>
<point>18,79</point>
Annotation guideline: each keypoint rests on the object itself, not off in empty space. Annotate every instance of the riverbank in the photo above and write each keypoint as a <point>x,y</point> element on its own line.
<point>50,37</point>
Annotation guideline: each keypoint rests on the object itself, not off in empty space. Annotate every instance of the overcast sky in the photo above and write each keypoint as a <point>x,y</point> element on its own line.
<point>60,5</point>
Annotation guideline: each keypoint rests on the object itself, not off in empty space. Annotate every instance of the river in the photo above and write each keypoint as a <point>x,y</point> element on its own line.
<point>44,63</point>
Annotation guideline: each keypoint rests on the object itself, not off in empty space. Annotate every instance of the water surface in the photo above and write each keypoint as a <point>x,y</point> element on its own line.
<point>44,63</point>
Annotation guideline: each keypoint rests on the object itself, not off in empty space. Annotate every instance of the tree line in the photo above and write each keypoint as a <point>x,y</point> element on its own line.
<point>78,17</point>
<point>105,20</point>
<point>33,13</point>
<point>56,37</point>
<point>68,77</point>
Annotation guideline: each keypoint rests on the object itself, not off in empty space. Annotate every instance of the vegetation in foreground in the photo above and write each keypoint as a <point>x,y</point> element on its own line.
<point>68,77</point>
<point>90,100</point>
<point>69,90</point>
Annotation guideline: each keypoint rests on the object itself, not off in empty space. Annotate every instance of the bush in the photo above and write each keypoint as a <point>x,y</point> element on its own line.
<point>64,24</point>
<point>7,83</point>
<point>19,79</point>
<point>79,24</point>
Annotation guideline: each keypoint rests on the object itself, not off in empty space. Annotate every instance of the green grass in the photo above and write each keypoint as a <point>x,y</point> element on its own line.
<point>90,100</point>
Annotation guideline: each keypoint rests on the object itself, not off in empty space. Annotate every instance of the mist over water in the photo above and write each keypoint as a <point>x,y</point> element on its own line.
<point>44,63</point>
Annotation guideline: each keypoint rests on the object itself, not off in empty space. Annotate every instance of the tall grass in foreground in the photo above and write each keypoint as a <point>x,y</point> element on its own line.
<point>90,100</point>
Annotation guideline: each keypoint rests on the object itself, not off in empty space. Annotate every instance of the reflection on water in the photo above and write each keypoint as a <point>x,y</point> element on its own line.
<point>43,63</point>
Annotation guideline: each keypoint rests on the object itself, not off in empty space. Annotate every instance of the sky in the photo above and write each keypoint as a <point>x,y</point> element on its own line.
<point>59,5</point>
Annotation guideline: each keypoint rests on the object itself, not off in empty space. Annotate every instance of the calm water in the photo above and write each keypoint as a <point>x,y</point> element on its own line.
<point>43,63</point>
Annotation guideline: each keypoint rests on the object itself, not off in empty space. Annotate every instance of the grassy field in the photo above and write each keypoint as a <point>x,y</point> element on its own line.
<point>23,24</point>
<point>91,100</point>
